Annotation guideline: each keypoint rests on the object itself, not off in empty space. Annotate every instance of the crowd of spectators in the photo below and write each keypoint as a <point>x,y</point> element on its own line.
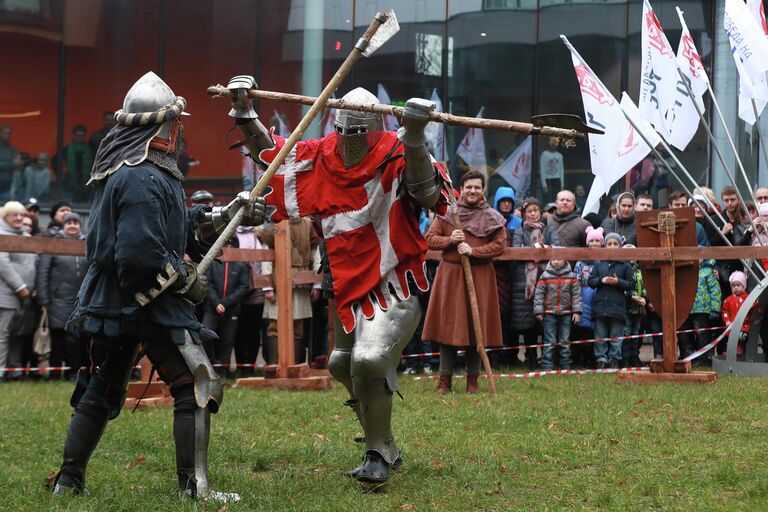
<point>558,301</point>
<point>535,302</point>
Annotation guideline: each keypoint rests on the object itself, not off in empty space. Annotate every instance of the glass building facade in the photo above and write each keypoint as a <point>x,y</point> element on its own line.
<point>68,62</point>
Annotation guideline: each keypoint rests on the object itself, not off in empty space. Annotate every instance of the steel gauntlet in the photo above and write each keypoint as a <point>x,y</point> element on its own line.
<point>256,136</point>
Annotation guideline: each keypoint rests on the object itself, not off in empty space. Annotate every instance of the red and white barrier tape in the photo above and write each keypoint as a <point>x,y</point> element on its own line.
<point>46,368</point>
<point>544,373</point>
<point>574,342</point>
<point>34,369</point>
<point>691,357</point>
<point>709,346</point>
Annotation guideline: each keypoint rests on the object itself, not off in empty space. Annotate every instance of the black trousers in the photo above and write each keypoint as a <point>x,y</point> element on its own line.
<point>100,395</point>
<point>248,337</point>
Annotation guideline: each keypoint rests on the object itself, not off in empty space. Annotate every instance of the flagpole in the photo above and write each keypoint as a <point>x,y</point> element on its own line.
<point>688,89</point>
<point>688,191</point>
<point>741,166</point>
<point>764,150</point>
<point>728,173</point>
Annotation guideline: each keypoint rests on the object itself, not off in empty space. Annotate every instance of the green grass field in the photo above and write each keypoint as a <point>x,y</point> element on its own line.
<point>552,443</point>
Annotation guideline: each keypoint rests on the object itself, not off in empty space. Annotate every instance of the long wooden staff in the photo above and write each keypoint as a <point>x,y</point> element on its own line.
<point>469,281</point>
<point>565,126</point>
<point>366,45</point>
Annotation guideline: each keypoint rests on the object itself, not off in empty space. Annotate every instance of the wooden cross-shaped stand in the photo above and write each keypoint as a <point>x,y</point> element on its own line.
<point>286,374</point>
<point>666,288</point>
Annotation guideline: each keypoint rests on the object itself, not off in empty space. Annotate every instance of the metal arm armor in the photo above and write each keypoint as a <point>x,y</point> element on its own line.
<point>256,137</point>
<point>421,176</point>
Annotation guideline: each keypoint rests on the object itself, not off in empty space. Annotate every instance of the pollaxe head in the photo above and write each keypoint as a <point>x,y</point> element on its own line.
<point>357,132</point>
<point>151,102</point>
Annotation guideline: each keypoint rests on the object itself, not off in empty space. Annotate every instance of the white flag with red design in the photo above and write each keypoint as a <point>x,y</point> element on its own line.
<point>757,10</point>
<point>633,148</point>
<point>516,169</point>
<point>472,148</point>
<point>435,132</point>
<point>684,120</point>
<point>749,47</point>
<point>659,77</point>
<point>619,149</point>
<point>390,122</point>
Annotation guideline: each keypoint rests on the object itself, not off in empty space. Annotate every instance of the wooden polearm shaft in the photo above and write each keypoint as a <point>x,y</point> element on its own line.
<point>392,110</point>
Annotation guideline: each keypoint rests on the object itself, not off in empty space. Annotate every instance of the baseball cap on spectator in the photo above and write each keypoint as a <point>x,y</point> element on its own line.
<point>551,208</point>
<point>595,234</point>
<point>32,204</point>
<point>71,216</point>
<point>738,277</point>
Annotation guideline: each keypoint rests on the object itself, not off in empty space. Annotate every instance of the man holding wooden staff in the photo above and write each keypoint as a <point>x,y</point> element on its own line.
<point>365,188</point>
<point>481,237</point>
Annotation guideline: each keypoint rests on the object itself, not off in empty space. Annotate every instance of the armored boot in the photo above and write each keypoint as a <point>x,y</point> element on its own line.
<point>472,384</point>
<point>381,452</point>
<point>444,386</point>
<point>83,435</point>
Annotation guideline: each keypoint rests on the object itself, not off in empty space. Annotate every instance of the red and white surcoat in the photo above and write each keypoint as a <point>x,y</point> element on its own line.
<point>371,229</point>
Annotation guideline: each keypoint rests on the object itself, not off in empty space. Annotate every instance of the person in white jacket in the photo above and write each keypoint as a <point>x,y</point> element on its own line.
<point>17,281</point>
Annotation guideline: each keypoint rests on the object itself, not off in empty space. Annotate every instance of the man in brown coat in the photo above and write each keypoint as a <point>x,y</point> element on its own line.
<point>448,319</point>
<point>304,255</point>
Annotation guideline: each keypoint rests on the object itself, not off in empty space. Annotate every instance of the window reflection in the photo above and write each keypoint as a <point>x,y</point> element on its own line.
<point>502,56</point>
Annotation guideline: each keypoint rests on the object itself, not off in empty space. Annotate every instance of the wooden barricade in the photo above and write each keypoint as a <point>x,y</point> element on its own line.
<point>290,376</point>
<point>286,374</point>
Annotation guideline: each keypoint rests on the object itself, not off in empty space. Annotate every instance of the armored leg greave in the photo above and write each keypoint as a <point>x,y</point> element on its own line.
<point>208,398</point>
<point>376,353</point>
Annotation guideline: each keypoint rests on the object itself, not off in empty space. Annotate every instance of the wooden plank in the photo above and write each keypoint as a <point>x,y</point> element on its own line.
<point>668,311</point>
<point>720,253</point>
<point>304,276</point>
<point>232,254</point>
<point>60,246</point>
<point>42,245</point>
<point>319,383</point>
<point>284,292</point>
<point>677,378</point>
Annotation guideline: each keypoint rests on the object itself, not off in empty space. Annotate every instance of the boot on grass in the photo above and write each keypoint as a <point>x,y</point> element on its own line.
<point>472,384</point>
<point>444,386</point>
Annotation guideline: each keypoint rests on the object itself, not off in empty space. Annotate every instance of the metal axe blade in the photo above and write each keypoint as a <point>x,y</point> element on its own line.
<point>388,28</point>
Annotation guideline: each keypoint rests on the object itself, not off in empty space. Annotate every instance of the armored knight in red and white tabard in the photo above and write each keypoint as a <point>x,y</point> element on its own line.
<point>365,188</point>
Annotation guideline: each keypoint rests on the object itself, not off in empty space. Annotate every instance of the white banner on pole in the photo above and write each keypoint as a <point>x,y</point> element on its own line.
<point>516,169</point>
<point>472,148</point>
<point>620,148</point>
<point>749,47</point>
<point>435,132</point>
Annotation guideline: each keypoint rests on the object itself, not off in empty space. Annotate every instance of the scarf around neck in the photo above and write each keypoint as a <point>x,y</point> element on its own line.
<point>479,220</point>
